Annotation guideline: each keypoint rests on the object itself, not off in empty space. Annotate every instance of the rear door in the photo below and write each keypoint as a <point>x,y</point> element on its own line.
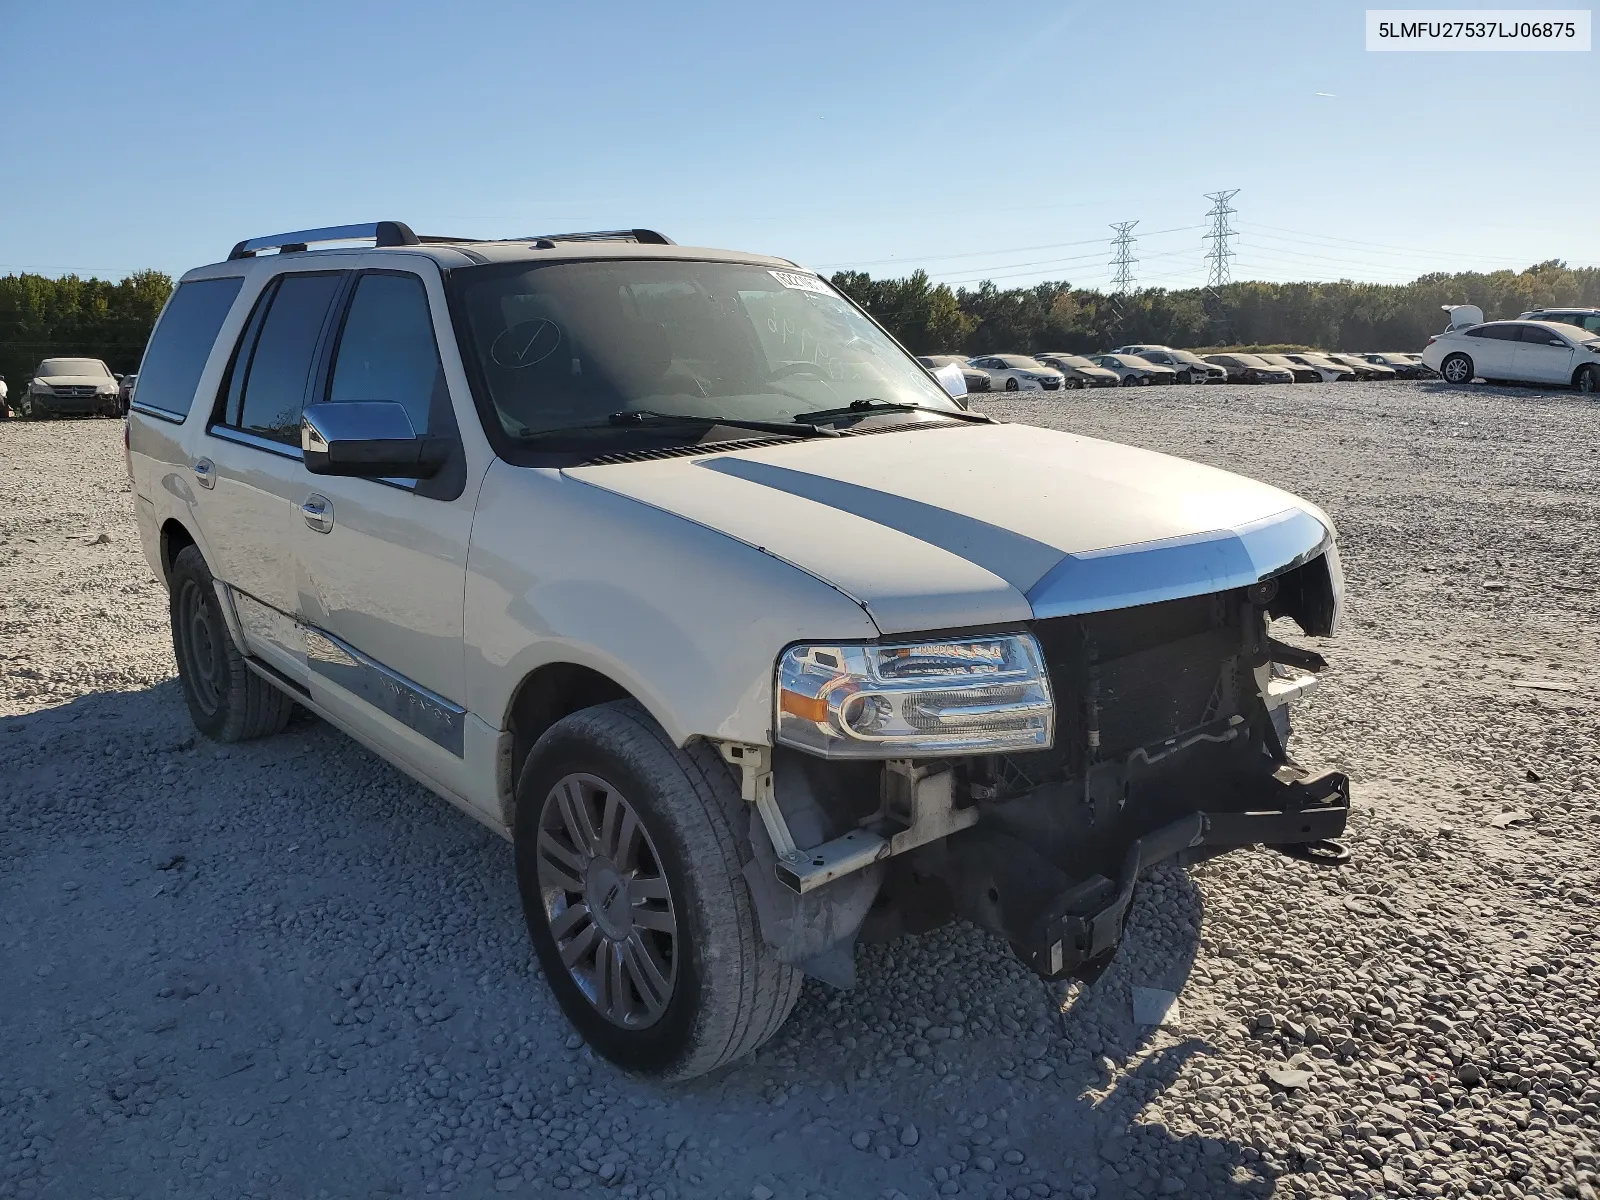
<point>380,565</point>
<point>248,461</point>
<point>1543,355</point>
<point>1493,349</point>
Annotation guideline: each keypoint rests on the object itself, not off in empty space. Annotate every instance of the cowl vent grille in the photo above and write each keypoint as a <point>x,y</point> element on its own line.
<point>637,456</point>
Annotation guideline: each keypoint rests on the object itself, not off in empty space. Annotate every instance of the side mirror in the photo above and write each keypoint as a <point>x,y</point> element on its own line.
<point>370,439</point>
<point>117,377</point>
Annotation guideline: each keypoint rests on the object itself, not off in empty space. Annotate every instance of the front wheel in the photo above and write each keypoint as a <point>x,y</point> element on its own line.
<point>227,701</point>
<point>1588,379</point>
<point>630,854</point>
<point>1131,381</point>
<point>1456,369</point>
<point>1012,385</point>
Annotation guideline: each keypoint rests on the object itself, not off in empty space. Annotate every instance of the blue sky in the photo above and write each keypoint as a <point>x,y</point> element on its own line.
<point>973,140</point>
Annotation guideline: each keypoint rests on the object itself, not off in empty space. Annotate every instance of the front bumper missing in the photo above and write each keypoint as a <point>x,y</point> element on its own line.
<point>1078,934</point>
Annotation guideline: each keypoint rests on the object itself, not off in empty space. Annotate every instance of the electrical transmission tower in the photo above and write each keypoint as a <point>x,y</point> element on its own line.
<point>1122,264</point>
<point>1219,254</point>
<point>1122,260</point>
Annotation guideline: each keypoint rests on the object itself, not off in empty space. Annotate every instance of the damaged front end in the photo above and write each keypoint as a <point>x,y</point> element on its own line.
<point>1168,740</point>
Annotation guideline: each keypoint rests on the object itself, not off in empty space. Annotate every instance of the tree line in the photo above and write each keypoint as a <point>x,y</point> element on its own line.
<point>42,317</point>
<point>92,318</point>
<point>931,318</point>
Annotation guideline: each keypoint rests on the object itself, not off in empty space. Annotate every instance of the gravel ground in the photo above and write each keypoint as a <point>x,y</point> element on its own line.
<point>282,969</point>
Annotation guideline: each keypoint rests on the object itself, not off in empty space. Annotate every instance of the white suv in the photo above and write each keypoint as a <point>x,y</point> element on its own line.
<point>672,567</point>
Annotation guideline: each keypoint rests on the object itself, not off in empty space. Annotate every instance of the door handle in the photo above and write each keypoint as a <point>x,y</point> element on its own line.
<point>205,473</point>
<point>318,512</point>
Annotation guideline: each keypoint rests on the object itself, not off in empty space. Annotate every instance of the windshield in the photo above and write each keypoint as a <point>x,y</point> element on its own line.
<point>1185,356</point>
<point>1251,360</point>
<point>566,345</point>
<point>1020,362</point>
<point>72,366</point>
<point>1074,360</point>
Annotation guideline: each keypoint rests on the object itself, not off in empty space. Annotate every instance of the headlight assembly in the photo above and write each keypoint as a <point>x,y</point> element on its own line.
<point>915,699</point>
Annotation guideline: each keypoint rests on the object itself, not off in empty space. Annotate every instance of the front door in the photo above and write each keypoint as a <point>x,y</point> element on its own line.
<point>1543,356</point>
<point>381,565</point>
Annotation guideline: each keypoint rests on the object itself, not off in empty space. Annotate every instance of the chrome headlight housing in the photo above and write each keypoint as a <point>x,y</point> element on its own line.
<point>939,697</point>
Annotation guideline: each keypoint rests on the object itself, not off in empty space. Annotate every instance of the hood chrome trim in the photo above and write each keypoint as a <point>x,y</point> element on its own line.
<point>1192,565</point>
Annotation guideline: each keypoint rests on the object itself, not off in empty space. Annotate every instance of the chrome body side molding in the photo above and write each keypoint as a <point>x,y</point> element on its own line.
<point>428,713</point>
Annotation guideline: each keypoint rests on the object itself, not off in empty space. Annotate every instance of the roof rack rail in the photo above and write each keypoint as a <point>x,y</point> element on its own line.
<point>383,233</point>
<point>645,237</point>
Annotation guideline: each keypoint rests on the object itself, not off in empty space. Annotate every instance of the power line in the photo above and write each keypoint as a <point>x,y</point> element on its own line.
<point>908,259</point>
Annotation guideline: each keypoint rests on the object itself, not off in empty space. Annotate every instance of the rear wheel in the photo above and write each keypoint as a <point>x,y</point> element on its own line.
<point>1588,379</point>
<point>1456,369</point>
<point>630,856</point>
<point>227,701</point>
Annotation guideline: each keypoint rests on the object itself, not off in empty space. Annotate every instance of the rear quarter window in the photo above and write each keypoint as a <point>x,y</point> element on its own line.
<point>181,343</point>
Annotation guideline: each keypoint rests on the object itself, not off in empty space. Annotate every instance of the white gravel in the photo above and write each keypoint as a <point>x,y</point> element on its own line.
<point>282,969</point>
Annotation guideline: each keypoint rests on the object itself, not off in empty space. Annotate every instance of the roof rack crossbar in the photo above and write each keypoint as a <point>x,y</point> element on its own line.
<point>383,233</point>
<point>645,237</point>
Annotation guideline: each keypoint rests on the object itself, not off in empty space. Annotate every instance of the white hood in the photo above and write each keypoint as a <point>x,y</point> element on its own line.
<point>98,381</point>
<point>978,524</point>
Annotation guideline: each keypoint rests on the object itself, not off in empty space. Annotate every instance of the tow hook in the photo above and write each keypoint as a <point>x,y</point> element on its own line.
<point>1323,853</point>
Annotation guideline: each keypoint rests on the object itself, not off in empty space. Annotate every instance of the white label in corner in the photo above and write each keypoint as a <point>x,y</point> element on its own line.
<point>801,282</point>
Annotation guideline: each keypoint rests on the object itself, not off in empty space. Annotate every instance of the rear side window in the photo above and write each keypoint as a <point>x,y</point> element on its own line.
<point>181,344</point>
<point>1499,333</point>
<point>387,350</point>
<point>267,391</point>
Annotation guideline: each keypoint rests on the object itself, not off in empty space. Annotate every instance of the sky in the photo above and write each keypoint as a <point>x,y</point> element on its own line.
<point>973,141</point>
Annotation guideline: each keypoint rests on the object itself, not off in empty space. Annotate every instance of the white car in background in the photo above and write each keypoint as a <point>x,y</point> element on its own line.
<point>1018,373</point>
<point>1134,371</point>
<point>1190,368</point>
<point>1518,352</point>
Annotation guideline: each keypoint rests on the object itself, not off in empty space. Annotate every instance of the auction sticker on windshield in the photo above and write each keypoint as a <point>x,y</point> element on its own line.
<point>801,282</point>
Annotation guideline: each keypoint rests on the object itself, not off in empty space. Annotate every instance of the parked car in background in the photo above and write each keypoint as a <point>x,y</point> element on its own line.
<point>1584,318</point>
<point>1078,371</point>
<point>1331,371</point>
<point>1133,371</point>
<point>1249,368</point>
<point>1406,366</point>
<point>5,400</point>
<point>125,392</point>
<point>1190,368</point>
<point>1302,372</point>
<point>72,387</point>
<point>1363,369</point>
<point>977,381</point>
<point>1518,352</point>
<point>1018,373</point>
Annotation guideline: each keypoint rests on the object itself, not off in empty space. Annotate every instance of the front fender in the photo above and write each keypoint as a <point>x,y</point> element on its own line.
<point>688,620</point>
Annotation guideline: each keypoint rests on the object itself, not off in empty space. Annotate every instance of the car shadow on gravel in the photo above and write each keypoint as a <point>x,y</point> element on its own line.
<point>1044,1092</point>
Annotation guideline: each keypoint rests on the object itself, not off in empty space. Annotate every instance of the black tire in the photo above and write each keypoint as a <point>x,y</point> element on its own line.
<point>1587,379</point>
<point>1131,381</point>
<point>1456,369</point>
<point>1012,385</point>
<point>727,992</point>
<point>227,701</point>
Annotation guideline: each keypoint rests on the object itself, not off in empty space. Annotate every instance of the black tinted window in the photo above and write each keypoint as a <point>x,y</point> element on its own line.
<point>274,388</point>
<point>181,343</point>
<point>1499,333</point>
<point>1540,336</point>
<point>387,350</point>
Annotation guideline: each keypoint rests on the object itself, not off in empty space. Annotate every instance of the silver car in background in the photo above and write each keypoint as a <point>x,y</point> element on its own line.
<point>1134,371</point>
<point>72,387</point>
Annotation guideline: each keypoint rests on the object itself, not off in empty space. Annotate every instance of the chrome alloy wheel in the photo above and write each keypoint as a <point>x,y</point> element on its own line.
<point>607,901</point>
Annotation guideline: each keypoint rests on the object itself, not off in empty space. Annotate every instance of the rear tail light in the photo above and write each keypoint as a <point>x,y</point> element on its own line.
<point>127,446</point>
<point>1432,340</point>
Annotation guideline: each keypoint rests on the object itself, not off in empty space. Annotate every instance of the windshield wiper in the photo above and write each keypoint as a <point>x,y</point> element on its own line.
<point>863,408</point>
<point>641,416</point>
